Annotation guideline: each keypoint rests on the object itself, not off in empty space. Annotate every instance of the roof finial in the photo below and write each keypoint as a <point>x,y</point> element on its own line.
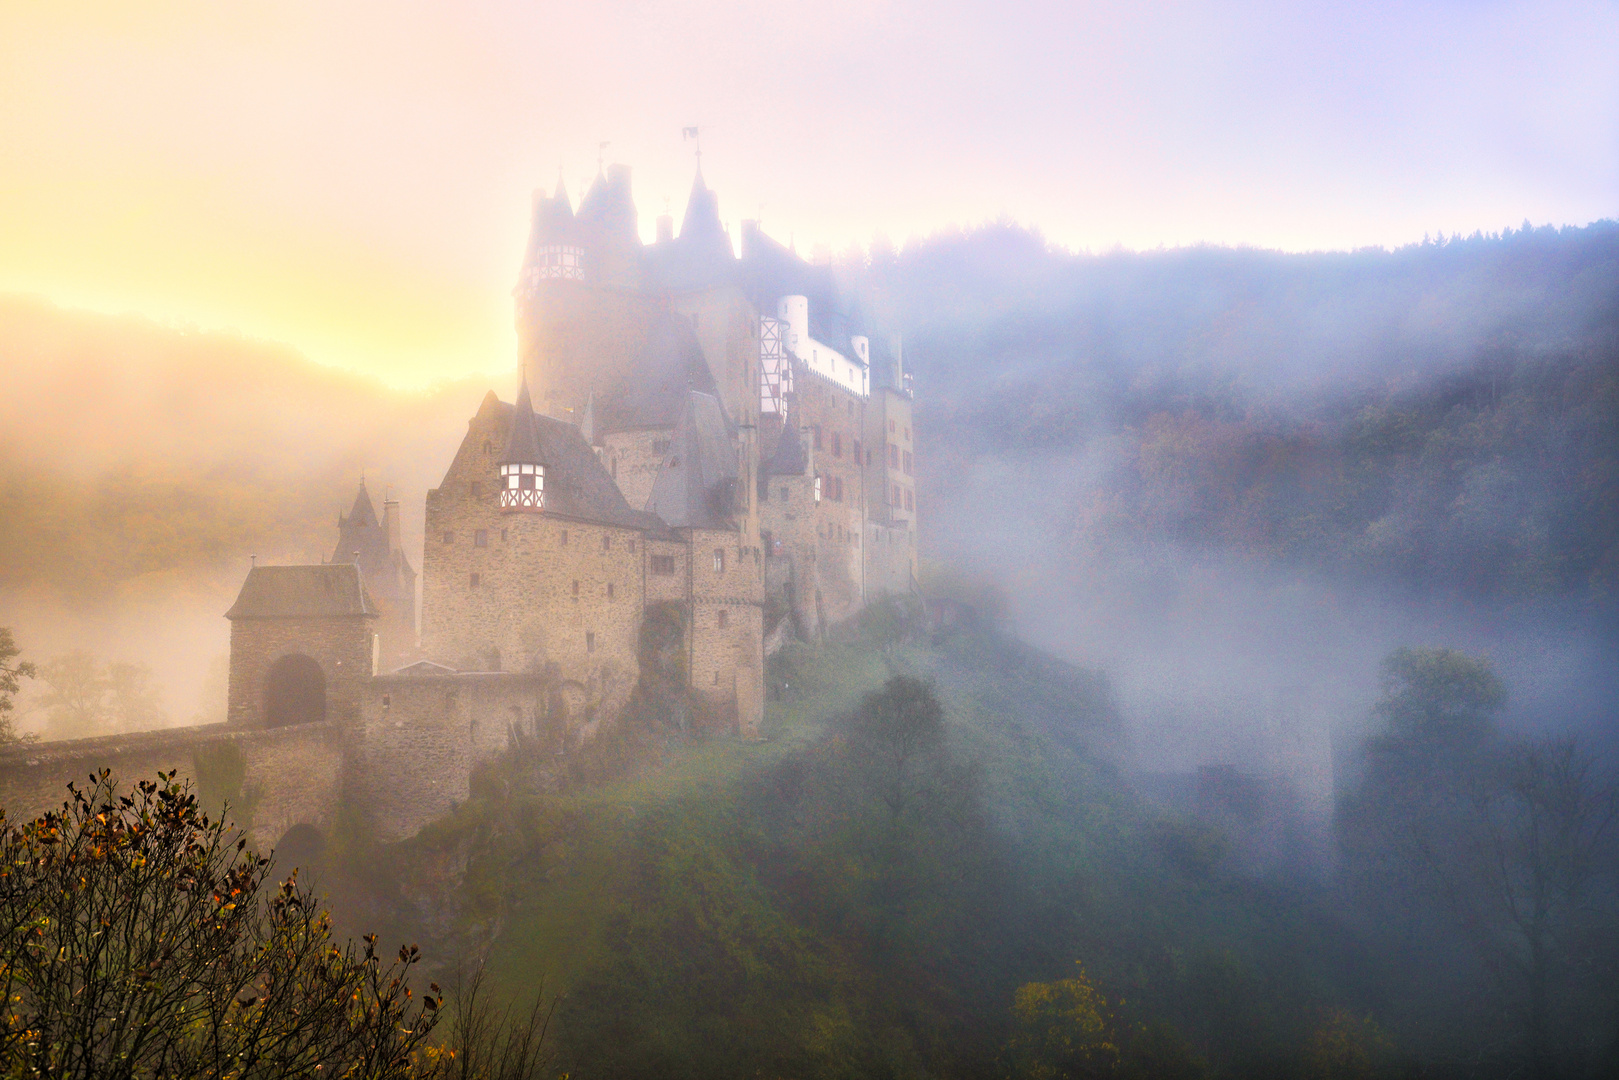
<point>695,136</point>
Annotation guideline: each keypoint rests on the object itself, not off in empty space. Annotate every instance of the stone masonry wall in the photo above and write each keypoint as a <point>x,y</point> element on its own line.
<point>551,595</point>
<point>420,737</point>
<point>342,646</point>
<point>727,662</point>
<point>633,459</point>
<point>289,775</point>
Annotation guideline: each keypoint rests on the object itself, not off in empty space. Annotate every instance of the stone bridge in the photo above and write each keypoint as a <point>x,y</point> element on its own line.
<point>274,779</point>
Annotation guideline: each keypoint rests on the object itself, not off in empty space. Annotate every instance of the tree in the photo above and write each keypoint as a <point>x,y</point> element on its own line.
<point>132,701</point>
<point>76,701</point>
<point>136,942</point>
<point>895,731</point>
<point>1064,1030</point>
<point>1438,700</point>
<point>1531,881</point>
<point>1475,845</point>
<point>12,672</point>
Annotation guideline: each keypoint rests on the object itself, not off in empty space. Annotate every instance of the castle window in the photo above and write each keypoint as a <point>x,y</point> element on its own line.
<point>816,430</point>
<point>719,560</point>
<point>632,547</point>
<point>724,618</point>
<point>503,536</point>
<point>564,537</point>
<point>898,499</point>
<point>487,448</point>
<point>907,456</point>
<point>449,537</point>
<point>590,641</point>
<point>609,590</point>
<point>817,487</point>
<point>474,581</point>
<point>907,433</point>
<point>910,502</point>
<point>387,701</point>
<point>856,451</point>
<point>663,564</point>
<point>891,427</point>
<point>893,455</point>
<point>576,590</point>
<point>476,489</point>
<point>783,494</point>
<point>837,444</point>
<point>480,538</point>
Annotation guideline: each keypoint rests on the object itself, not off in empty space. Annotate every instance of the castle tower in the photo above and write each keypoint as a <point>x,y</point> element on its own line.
<point>376,548</point>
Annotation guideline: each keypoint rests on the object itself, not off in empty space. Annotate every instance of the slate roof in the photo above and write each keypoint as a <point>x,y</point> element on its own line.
<point>330,591</point>
<point>696,485</point>
<point>361,536</point>
<point>789,457</point>
<point>553,222</point>
<point>577,484</point>
<point>522,440</point>
<point>671,365</point>
<point>364,513</point>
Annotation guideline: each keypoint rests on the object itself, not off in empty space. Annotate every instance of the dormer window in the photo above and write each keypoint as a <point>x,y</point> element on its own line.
<point>522,486</point>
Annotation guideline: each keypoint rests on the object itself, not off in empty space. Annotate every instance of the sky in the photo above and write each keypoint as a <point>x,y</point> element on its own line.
<point>354,178</point>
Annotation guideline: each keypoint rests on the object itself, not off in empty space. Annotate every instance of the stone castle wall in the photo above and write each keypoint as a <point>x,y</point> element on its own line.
<point>274,778</point>
<point>343,647</point>
<point>633,459</point>
<point>420,738</point>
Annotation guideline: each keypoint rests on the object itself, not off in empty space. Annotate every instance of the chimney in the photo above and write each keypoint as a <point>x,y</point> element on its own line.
<point>666,228</point>
<point>390,523</point>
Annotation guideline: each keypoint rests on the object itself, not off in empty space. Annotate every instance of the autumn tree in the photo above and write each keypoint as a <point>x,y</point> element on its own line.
<point>137,940</point>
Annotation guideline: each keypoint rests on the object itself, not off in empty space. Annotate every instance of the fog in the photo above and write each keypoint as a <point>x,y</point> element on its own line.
<point>1227,487</point>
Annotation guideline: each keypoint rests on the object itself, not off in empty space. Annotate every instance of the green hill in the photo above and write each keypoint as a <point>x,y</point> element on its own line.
<point>728,909</point>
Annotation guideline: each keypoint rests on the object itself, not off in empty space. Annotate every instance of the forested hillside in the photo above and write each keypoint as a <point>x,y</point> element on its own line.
<point>1445,416</point>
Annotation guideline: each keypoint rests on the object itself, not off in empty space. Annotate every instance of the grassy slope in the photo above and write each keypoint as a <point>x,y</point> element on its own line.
<point>734,910</point>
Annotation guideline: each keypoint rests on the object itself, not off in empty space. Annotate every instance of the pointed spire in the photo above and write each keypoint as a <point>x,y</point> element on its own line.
<point>702,220</point>
<point>364,513</point>
<point>523,441</point>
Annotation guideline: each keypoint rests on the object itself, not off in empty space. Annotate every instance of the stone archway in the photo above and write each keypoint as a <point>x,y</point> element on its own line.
<point>294,692</point>
<point>300,848</point>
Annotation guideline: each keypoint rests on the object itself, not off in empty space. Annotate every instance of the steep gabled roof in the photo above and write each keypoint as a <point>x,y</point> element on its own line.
<point>671,365</point>
<point>522,440</point>
<point>696,485</point>
<point>577,484</point>
<point>331,591</point>
<point>789,457</point>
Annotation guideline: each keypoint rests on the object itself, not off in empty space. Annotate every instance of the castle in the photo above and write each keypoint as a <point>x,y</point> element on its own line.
<point>707,457</point>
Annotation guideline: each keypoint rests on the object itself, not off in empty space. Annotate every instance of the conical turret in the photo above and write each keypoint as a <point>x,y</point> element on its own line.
<point>522,472</point>
<point>554,246</point>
